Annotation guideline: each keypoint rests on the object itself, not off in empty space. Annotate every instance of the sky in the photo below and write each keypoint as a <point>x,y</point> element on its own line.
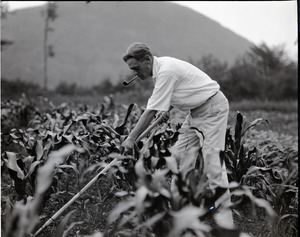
<point>271,22</point>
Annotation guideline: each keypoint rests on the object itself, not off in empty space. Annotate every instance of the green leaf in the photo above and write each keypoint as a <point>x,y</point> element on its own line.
<point>263,203</point>
<point>259,202</point>
<point>119,209</point>
<point>116,120</point>
<point>255,123</point>
<point>39,149</point>
<point>67,127</point>
<point>238,132</point>
<point>121,129</point>
<point>253,169</point>
<point>126,218</point>
<point>188,218</point>
<point>69,138</point>
<point>151,221</point>
<point>28,161</point>
<point>45,173</point>
<point>63,224</point>
<point>121,193</point>
<point>239,192</point>
<point>14,136</point>
<point>172,164</point>
<point>140,169</point>
<point>32,168</point>
<point>66,232</point>
<point>140,197</point>
<point>154,161</point>
<point>73,166</point>
<point>11,163</point>
<point>277,175</point>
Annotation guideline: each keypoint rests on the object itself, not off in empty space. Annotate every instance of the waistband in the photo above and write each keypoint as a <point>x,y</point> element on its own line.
<point>207,101</point>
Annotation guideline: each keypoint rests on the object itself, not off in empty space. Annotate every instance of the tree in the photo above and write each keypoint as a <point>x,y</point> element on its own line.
<point>65,88</point>
<point>51,15</point>
<point>213,67</point>
<point>4,9</point>
<point>263,73</point>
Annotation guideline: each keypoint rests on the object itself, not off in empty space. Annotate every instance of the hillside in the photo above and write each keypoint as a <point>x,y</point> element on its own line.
<point>89,39</point>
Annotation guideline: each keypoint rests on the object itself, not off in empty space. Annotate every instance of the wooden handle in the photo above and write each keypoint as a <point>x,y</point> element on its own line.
<point>150,127</point>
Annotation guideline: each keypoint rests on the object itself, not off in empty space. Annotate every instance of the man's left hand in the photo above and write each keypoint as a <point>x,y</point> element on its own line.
<point>128,144</point>
<point>164,115</point>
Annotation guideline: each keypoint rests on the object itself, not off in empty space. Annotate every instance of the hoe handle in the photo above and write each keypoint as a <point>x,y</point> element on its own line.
<point>157,121</point>
<point>89,184</point>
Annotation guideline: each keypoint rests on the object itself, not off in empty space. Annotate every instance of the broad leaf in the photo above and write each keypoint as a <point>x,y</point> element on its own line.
<point>12,164</point>
<point>119,209</point>
<point>188,218</point>
<point>172,164</point>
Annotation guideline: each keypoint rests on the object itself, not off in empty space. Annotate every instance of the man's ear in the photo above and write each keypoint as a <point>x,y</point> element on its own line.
<point>148,58</point>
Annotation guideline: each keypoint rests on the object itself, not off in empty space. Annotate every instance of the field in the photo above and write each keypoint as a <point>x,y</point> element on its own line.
<point>51,151</point>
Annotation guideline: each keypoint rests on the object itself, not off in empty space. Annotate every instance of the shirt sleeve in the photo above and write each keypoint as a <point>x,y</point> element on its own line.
<point>162,93</point>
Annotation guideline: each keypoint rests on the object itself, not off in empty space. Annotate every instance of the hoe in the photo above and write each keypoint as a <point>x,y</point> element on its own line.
<point>88,185</point>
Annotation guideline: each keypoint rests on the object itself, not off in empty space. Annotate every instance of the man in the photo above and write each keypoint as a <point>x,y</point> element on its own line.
<point>181,85</point>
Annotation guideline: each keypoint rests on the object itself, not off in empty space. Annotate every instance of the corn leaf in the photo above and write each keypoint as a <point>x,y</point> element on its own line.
<point>12,164</point>
<point>172,164</point>
<point>119,209</point>
<point>140,197</point>
<point>255,123</point>
<point>151,221</point>
<point>188,218</point>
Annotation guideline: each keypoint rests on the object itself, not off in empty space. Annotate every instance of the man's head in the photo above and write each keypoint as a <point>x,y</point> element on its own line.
<point>139,59</point>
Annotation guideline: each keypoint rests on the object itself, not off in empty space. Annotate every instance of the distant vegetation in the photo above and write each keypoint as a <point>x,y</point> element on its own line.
<point>261,74</point>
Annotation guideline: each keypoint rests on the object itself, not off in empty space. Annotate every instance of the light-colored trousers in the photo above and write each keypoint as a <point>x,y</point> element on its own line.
<point>205,127</point>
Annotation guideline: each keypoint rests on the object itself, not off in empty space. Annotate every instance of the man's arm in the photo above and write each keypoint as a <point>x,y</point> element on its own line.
<point>143,123</point>
<point>140,127</point>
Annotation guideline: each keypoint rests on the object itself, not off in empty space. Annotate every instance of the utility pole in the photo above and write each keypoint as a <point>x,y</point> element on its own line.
<point>50,16</point>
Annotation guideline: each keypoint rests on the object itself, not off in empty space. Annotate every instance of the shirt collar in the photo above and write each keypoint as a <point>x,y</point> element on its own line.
<point>155,67</point>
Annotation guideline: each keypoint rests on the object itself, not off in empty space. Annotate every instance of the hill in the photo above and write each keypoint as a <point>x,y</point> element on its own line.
<point>89,39</point>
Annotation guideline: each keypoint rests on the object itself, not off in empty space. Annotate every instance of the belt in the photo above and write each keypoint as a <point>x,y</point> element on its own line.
<point>192,110</point>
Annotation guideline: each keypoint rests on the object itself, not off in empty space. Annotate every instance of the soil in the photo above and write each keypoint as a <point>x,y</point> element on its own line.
<point>93,207</point>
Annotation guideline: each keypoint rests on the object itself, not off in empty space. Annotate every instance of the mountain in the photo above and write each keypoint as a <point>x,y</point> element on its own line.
<point>89,39</point>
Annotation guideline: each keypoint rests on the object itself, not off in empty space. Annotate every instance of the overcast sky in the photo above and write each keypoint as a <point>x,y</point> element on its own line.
<point>271,22</point>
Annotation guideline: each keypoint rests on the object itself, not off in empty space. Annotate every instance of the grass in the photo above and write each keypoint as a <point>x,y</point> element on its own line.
<point>278,121</point>
<point>265,105</point>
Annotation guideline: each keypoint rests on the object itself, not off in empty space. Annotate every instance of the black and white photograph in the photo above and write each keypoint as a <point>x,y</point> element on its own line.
<point>149,118</point>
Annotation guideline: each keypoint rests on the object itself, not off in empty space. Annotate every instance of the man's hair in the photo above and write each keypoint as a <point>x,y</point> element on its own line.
<point>138,51</point>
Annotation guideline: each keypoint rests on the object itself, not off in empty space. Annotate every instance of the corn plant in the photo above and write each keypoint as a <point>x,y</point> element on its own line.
<point>24,216</point>
<point>237,156</point>
<point>269,170</point>
<point>149,205</point>
<point>17,114</point>
<point>26,150</point>
<point>156,209</point>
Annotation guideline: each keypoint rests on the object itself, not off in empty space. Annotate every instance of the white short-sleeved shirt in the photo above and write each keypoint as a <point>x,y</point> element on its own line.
<point>180,84</point>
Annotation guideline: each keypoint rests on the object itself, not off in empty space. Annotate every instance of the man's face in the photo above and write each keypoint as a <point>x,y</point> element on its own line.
<point>143,69</point>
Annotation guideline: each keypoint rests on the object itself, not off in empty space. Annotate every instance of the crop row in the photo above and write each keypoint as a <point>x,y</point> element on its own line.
<point>74,141</point>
